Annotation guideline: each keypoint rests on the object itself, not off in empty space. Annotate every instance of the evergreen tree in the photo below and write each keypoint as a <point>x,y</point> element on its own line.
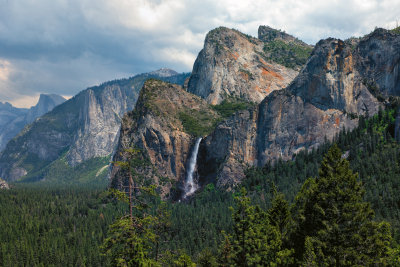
<point>129,244</point>
<point>279,213</point>
<point>254,241</point>
<point>131,238</point>
<point>330,210</point>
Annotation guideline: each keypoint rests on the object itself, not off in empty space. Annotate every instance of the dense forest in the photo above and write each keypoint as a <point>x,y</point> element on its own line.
<point>67,226</point>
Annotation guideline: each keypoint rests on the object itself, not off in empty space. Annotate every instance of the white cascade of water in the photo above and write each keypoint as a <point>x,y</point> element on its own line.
<point>190,185</point>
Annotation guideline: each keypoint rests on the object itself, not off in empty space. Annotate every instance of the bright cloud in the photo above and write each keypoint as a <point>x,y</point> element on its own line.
<point>4,69</point>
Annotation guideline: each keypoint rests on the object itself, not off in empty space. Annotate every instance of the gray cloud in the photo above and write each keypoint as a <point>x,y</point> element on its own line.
<point>55,46</point>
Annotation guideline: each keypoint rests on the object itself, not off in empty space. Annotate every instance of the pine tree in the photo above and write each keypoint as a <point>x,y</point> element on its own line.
<point>255,242</point>
<point>131,238</point>
<point>330,210</point>
<point>279,213</point>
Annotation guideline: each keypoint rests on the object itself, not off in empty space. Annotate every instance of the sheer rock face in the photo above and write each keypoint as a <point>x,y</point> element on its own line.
<point>288,124</point>
<point>331,80</point>
<point>379,60</point>
<point>84,127</point>
<point>155,127</point>
<point>231,65</point>
<point>229,149</point>
<point>99,118</point>
<point>328,94</point>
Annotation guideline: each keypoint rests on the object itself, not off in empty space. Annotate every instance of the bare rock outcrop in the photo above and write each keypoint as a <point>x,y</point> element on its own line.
<point>163,126</point>
<point>232,65</point>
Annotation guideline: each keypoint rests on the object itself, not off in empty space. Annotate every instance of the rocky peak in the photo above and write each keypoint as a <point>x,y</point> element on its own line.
<point>46,103</point>
<point>233,65</point>
<point>379,60</point>
<point>330,80</point>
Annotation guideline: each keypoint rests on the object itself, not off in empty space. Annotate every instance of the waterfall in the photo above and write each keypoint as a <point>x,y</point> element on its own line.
<point>190,185</point>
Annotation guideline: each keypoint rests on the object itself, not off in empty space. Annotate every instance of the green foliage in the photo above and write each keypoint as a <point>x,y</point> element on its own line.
<point>129,244</point>
<point>371,151</point>
<point>65,227</point>
<point>134,240</point>
<point>178,259</point>
<point>230,106</point>
<point>279,213</point>
<point>396,30</point>
<point>291,55</point>
<point>254,242</point>
<point>197,224</point>
<point>198,123</point>
<point>207,259</point>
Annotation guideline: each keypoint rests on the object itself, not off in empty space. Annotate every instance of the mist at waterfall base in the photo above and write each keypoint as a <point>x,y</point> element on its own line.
<point>190,184</point>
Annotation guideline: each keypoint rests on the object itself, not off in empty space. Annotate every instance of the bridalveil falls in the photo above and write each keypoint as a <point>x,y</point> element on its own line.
<point>190,185</point>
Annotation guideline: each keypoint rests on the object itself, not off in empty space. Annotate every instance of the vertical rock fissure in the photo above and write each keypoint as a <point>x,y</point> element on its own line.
<point>190,184</point>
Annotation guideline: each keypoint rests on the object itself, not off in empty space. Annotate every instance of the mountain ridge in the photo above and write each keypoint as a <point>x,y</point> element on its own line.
<point>84,127</point>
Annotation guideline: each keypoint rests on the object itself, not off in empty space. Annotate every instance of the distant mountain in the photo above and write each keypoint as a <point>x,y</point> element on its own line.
<point>13,120</point>
<point>45,104</point>
<point>76,132</point>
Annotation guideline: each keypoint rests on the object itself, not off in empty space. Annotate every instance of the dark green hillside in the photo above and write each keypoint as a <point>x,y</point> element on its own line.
<point>54,227</point>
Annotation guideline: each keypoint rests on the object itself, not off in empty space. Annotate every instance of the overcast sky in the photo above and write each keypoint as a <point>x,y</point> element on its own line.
<point>65,46</point>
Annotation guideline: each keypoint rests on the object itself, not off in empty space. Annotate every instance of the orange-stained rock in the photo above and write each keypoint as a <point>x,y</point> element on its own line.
<point>231,65</point>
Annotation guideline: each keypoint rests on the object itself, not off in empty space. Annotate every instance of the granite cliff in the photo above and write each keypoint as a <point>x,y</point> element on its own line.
<point>339,83</point>
<point>164,126</point>
<point>84,127</point>
<point>234,65</point>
